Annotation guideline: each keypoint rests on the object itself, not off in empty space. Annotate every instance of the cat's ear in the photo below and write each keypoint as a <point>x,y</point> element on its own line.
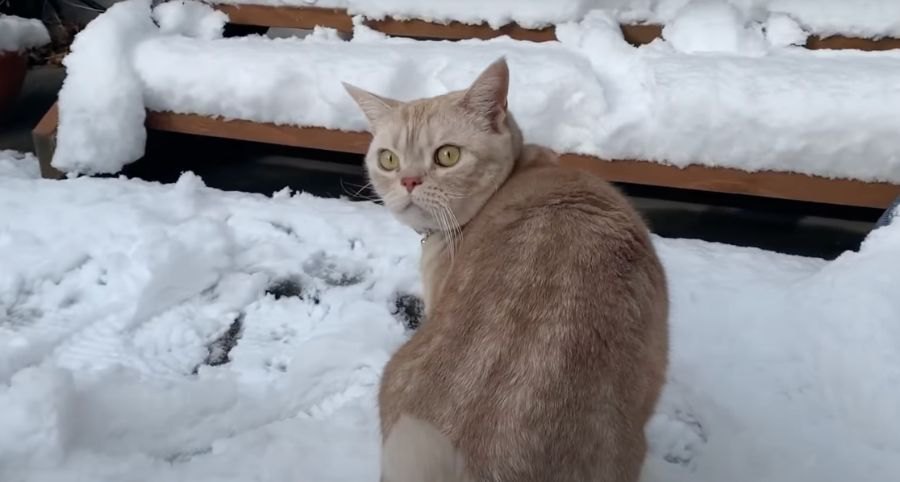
<point>487,96</point>
<point>373,106</point>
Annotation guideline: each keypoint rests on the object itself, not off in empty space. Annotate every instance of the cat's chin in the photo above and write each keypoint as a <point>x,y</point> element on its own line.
<point>415,217</point>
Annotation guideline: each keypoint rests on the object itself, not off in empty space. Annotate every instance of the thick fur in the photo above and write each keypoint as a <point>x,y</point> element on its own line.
<point>545,346</point>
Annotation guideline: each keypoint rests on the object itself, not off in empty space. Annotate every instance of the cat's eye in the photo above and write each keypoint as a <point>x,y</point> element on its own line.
<point>447,156</point>
<point>387,160</point>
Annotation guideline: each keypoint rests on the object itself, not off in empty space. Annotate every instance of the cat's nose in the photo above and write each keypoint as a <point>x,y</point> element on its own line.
<point>411,182</point>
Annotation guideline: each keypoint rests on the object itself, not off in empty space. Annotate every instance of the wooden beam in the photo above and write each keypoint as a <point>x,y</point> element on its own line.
<point>458,30</point>
<point>44,138</point>
<point>306,137</point>
<point>839,42</point>
<point>641,34</point>
<point>771,184</point>
<point>309,17</point>
<point>288,17</point>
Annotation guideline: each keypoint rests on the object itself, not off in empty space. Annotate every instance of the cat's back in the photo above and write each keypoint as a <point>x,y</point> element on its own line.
<point>552,213</point>
<point>546,342</point>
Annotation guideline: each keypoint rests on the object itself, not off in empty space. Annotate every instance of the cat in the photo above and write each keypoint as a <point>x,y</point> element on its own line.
<point>544,346</point>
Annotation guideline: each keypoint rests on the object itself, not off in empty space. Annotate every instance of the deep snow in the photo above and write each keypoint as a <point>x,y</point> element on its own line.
<point>716,92</point>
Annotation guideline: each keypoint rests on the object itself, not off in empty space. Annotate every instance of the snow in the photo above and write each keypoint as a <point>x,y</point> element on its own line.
<point>101,107</point>
<point>496,13</point>
<point>860,18</point>
<point>274,81</point>
<point>19,165</point>
<point>190,18</point>
<point>719,91</point>
<point>857,18</point>
<point>120,298</point>
<point>782,31</point>
<point>706,26</point>
<point>17,33</point>
<point>825,113</point>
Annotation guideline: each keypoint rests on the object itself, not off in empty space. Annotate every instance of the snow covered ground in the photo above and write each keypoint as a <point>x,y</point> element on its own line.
<point>180,333</point>
<point>718,91</point>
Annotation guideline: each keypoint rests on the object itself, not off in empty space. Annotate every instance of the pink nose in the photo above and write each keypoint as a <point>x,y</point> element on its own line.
<point>410,183</point>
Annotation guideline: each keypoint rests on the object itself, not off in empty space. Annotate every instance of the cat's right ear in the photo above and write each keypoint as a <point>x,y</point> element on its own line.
<point>373,106</point>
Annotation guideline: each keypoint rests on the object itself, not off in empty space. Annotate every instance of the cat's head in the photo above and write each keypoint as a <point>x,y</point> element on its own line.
<point>436,161</point>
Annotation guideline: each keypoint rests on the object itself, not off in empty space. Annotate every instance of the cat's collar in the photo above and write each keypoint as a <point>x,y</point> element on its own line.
<point>426,234</point>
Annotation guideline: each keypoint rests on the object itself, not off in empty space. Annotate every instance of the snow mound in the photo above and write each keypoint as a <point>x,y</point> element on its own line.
<point>705,26</point>
<point>558,107</point>
<point>190,18</point>
<point>17,33</point>
<point>14,164</point>
<point>101,106</point>
<point>176,332</point>
<point>867,19</point>
<point>783,31</point>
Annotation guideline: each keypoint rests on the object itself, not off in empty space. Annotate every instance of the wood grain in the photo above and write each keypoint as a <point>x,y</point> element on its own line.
<point>458,31</point>
<point>288,17</point>
<point>306,137</point>
<point>839,42</point>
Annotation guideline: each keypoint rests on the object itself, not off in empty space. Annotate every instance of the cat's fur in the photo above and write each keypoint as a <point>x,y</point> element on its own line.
<point>545,343</point>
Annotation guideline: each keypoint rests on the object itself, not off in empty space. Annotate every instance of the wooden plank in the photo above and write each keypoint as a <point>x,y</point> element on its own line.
<point>44,138</point>
<point>288,17</point>
<point>309,17</point>
<point>641,34</point>
<point>780,185</point>
<point>47,125</point>
<point>771,184</point>
<point>839,42</point>
<point>458,31</point>
<point>306,137</point>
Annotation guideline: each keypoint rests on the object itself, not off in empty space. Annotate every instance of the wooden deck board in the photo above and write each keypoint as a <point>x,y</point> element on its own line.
<point>771,184</point>
<point>288,17</point>
<point>309,17</point>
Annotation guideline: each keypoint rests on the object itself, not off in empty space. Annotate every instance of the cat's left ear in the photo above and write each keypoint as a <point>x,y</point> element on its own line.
<point>373,106</point>
<point>487,96</point>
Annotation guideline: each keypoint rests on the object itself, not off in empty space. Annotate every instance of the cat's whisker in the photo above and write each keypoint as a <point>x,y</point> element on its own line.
<point>359,190</point>
<point>454,231</point>
<point>438,212</point>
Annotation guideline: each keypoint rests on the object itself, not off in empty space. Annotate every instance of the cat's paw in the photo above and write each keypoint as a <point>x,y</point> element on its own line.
<point>409,310</point>
<point>677,437</point>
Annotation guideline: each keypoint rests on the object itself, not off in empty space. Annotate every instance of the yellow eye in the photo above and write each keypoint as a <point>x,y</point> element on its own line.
<point>447,156</point>
<point>387,160</point>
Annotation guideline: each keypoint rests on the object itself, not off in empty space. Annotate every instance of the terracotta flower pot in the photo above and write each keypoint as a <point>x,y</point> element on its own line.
<point>13,66</point>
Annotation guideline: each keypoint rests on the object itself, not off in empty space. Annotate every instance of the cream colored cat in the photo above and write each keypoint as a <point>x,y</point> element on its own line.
<point>545,343</point>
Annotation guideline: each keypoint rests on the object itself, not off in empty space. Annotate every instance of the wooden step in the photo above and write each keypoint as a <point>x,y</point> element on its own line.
<point>768,184</point>
<point>310,17</point>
